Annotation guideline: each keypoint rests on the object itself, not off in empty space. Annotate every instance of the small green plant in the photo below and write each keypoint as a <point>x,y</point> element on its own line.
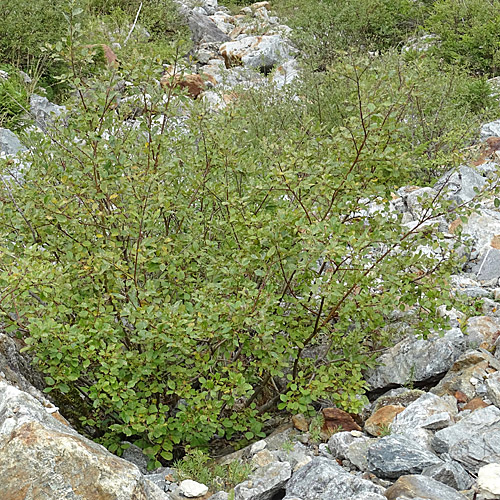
<point>315,428</point>
<point>197,465</point>
<point>384,430</point>
<point>288,446</point>
<point>410,381</point>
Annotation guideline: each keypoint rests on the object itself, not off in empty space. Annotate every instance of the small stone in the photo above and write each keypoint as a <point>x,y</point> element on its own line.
<point>257,446</point>
<point>192,489</point>
<point>300,422</point>
<point>262,458</point>
<point>488,481</point>
<point>461,397</point>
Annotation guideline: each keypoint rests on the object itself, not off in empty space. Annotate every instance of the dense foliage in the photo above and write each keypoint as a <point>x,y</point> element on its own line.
<point>183,275</point>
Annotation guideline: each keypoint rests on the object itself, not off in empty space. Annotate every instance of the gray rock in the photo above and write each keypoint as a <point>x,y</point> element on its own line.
<point>416,486</point>
<point>482,227</point>
<point>339,444</point>
<point>220,495</point>
<point>286,73</point>
<point>192,489</point>
<point>368,496</point>
<point>10,143</point>
<point>463,184</point>
<point>203,29</point>
<point>256,52</point>
<point>474,441</point>
<point>358,453</point>
<point>44,112</point>
<point>488,268</point>
<point>264,483</point>
<point>493,388</point>
<point>40,457</point>
<point>324,479</point>
<point>491,129</point>
<point>414,200</point>
<point>427,412</point>
<point>136,456</point>
<point>417,360</point>
<point>450,473</point>
<point>396,455</point>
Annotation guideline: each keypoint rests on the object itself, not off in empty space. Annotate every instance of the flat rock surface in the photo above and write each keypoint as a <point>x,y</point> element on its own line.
<point>396,455</point>
<point>41,458</point>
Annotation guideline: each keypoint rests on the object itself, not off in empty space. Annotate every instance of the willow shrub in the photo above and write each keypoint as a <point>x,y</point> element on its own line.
<point>185,278</point>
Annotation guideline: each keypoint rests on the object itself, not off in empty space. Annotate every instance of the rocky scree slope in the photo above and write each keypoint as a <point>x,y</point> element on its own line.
<point>438,444</point>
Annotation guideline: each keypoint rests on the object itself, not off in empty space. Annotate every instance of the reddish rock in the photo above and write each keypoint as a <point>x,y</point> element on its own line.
<point>461,397</point>
<point>194,83</point>
<point>475,404</point>
<point>336,419</point>
<point>300,422</point>
<point>382,419</point>
<point>109,55</point>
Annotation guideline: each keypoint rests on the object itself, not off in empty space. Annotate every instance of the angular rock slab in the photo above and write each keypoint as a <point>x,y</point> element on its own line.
<point>40,458</point>
<point>203,29</point>
<point>415,486</point>
<point>265,483</point>
<point>427,412</point>
<point>416,360</point>
<point>324,479</point>
<point>397,455</point>
<point>491,129</point>
<point>9,142</point>
<point>493,388</point>
<point>471,365</point>
<point>474,441</point>
<point>44,112</point>
<point>450,473</point>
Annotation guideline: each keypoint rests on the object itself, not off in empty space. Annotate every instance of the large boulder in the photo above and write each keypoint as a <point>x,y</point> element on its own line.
<point>41,457</point>
<point>256,52</point>
<point>474,441</point>
<point>203,29</point>
<point>417,360</point>
<point>396,455</point>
